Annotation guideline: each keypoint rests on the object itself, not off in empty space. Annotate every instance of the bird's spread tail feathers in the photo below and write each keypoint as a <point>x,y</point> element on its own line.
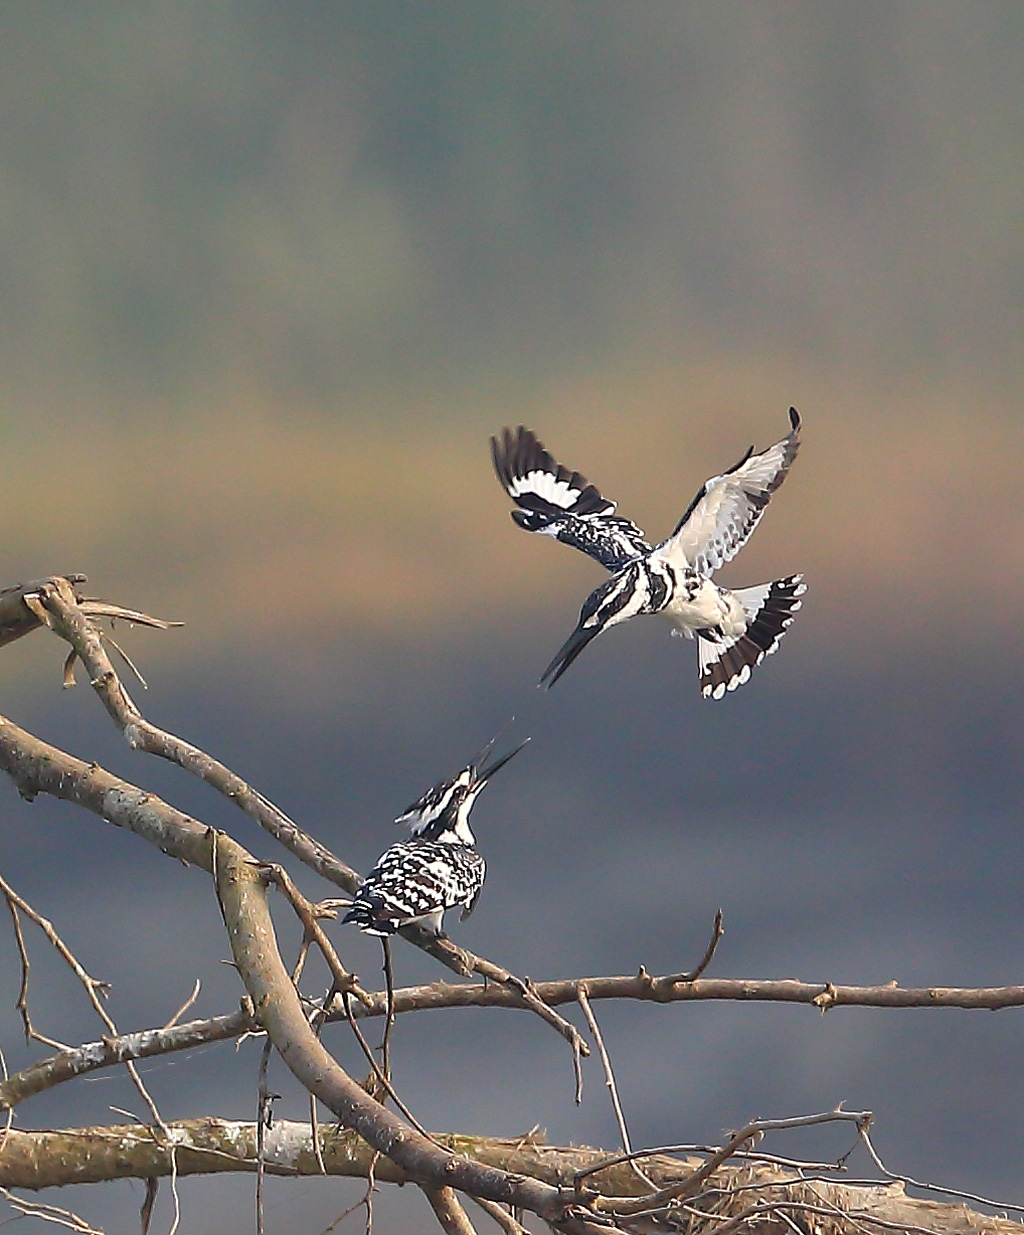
<point>770,608</point>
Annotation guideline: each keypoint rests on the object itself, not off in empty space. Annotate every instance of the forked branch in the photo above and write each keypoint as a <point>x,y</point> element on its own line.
<point>56,603</point>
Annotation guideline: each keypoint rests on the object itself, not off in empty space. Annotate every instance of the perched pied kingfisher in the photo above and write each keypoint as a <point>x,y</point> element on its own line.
<point>438,868</point>
<point>735,630</point>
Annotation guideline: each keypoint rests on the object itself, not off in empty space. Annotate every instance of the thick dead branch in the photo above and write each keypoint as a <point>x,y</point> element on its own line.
<point>21,609</point>
<point>209,1146</point>
<point>16,617</point>
<point>37,767</point>
<point>448,1211</point>
<point>59,607</point>
<point>56,603</point>
<point>250,931</point>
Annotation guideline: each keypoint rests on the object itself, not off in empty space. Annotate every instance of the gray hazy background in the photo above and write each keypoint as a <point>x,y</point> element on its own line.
<point>271,274</point>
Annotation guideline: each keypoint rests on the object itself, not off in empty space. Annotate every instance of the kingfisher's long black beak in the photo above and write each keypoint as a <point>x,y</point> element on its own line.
<point>481,774</point>
<point>481,757</point>
<point>567,653</point>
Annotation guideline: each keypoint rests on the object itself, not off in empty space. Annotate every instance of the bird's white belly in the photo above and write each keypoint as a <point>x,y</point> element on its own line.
<point>706,607</point>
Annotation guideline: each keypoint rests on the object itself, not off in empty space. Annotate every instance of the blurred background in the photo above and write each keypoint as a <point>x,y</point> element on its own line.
<point>270,276</point>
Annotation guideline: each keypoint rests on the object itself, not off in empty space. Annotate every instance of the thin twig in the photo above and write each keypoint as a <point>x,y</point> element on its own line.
<point>716,934</point>
<point>314,1125</point>
<point>175,1200</point>
<point>9,1120</point>
<point>385,1081</point>
<point>752,1131</point>
<point>309,915</point>
<point>149,1203</point>
<point>184,1007</point>
<point>371,1188</point>
<point>264,1118</point>
<point>527,992</point>
<point>31,1033</point>
<point>609,1077</point>
<point>736,1221</point>
<point>751,1155</point>
<point>314,1132</point>
<point>49,1213</point>
<point>913,1183</point>
<point>94,987</point>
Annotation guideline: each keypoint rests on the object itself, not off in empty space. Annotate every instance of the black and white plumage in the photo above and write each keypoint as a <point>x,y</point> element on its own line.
<point>438,868</point>
<point>735,630</point>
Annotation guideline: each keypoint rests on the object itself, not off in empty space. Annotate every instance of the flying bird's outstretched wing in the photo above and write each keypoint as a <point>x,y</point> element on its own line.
<point>555,501</point>
<point>720,519</point>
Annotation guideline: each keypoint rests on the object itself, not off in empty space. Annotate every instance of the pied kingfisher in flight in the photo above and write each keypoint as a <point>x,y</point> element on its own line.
<point>438,868</point>
<point>735,630</point>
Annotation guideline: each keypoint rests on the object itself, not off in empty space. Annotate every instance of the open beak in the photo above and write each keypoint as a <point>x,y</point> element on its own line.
<point>482,775</point>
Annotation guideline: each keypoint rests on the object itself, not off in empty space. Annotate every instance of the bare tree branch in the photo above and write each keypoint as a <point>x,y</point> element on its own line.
<point>36,767</point>
<point>250,932</point>
<point>409,1153</point>
<point>55,603</point>
<point>717,931</point>
<point>309,915</point>
<point>151,1042</point>
<point>66,618</point>
<point>501,1217</point>
<point>212,1146</point>
<point>95,989</point>
<point>18,618</point>
<point>609,1076</point>
<point>821,995</point>
<point>48,1213</point>
<point>54,1070</point>
<point>450,1215</point>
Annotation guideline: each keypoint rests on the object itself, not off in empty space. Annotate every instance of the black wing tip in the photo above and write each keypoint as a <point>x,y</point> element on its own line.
<point>794,420</point>
<point>517,453</point>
